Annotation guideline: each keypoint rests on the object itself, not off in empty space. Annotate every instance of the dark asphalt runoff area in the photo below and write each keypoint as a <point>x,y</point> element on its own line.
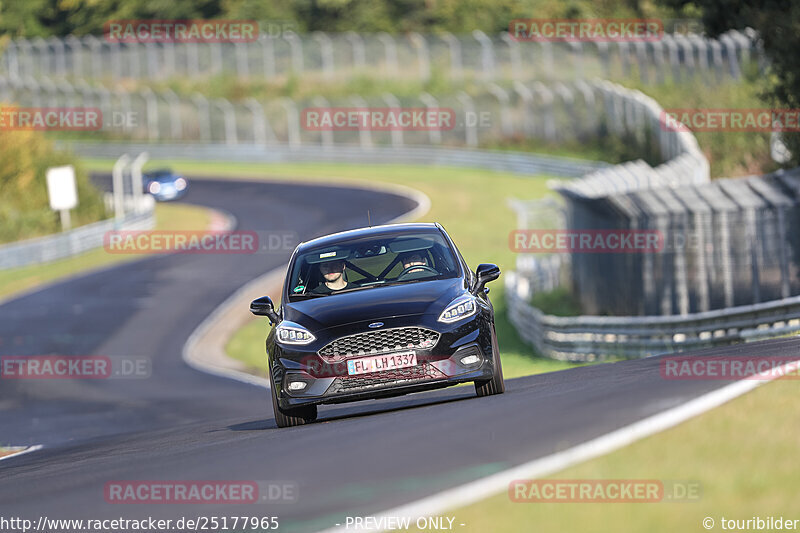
<point>179,424</point>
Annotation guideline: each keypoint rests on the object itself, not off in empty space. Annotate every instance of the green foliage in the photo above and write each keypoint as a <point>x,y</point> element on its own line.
<point>31,18</point>
<point>558,302</point>
<point>778,25</point>
<point>25,212</point>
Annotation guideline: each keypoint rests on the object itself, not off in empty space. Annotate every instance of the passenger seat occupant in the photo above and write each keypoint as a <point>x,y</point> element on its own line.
<point>335,279</point>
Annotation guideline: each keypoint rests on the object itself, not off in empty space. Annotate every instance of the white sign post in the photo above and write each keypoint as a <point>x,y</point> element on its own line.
<point>62,192</point>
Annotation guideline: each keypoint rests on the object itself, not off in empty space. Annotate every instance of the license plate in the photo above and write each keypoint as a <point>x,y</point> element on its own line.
<point>378,363</point>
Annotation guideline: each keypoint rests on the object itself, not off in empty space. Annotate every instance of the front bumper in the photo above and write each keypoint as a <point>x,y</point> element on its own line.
<point>327,381</point>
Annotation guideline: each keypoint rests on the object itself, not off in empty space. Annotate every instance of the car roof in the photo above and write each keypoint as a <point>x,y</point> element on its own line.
<point>385,230</point>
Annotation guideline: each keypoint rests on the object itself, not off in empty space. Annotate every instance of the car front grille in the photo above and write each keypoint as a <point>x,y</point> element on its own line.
<point>377,342</point>
<point>386,379</point>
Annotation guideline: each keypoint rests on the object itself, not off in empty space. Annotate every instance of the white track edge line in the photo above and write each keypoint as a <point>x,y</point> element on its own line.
<point>496,483</point>
<point>196,337</point>
<point>29,449</point>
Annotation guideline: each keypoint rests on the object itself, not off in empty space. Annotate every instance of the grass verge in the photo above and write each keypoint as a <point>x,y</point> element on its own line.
<point>5,452</point>
<point>173,217</point>
<point>759,427</point>
<point>470,203</point>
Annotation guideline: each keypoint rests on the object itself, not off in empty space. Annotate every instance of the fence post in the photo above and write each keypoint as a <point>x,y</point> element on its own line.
<point>393,103</point>
<point>193,59</point>
<point>170,68</point>
<point>259,124</point>
<point>268,56</point>
<point>730,50</point>
<point>296,47</point>
<point>242,63</point>
<point>119,186</point>
<point>136,180</point>
<point>292,121</point>
<point>576,51</point>
<point>359,53</point>
<point>505,113</point>
<point>326,53</point>
<point>174,103</point>
<point>229,117</point>
<point>589,103</point>
<point>364,135</point>
<point>326,135</point>
<point>454,46</point>
<point>546,97</point>
<point>514,53</point>
<point>527,99</point>
<point>12,60</point>
<point>59,58</point>
<point>422,55</point>
<point>435,134</point>
<point>203,116</point>
<point>76,53</point>
<point>470,130</point>
<point>390,47</point>
<point>487,54</point>
<point>23,45</point>
<point>151,105</point>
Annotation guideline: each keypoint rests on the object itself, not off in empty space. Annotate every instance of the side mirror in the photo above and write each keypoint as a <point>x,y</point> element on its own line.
<point>485,273</point>
<point>264,307</point>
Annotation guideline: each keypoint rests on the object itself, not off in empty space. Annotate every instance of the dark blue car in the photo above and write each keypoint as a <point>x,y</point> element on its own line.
<point>378,312</point>
<point>165,185</point>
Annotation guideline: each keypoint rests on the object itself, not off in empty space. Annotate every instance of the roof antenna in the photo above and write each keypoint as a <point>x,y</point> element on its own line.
<point>369,219</point>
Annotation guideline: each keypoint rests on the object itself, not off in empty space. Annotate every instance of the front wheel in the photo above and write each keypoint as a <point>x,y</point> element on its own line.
<point>286,418</point>
<point>496,385</point>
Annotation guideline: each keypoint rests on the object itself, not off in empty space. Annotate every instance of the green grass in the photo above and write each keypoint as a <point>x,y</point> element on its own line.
<point>470,203</point>
<point>174,217</point>
<point>7,451</point>
<point>745,465</point>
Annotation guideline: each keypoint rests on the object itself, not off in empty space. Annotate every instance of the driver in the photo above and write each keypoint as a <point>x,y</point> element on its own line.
<point>410,259</point>
<point>335,279</point>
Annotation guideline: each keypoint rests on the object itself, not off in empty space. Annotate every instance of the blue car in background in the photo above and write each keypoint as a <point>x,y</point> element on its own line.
<point>165,185</point>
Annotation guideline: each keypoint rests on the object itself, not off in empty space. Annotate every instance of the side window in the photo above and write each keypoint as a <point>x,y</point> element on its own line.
<point>470,273</point>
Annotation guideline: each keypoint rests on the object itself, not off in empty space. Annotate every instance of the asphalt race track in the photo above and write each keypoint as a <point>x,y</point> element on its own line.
<point>180,424</point>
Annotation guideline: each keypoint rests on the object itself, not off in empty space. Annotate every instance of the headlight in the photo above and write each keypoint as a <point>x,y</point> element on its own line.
<point>154,187</point>
<point>180,184</point>
<point>461,307</point>
<point>291,333</point>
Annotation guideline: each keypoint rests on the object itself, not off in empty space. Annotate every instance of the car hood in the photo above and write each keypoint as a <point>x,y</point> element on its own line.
<point>417,298</point>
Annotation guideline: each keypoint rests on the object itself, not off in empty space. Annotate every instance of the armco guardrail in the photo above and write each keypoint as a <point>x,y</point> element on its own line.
<point>516,162</point>
<point>737,248</point>
<point>592,338</point>
<point>69,243</point>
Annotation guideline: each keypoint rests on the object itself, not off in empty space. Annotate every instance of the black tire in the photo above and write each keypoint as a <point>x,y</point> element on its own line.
<point>496,385</point>
<point>286,418</point>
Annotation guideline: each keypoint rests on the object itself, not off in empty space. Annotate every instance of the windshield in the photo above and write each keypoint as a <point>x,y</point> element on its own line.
<point>371,262</point>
